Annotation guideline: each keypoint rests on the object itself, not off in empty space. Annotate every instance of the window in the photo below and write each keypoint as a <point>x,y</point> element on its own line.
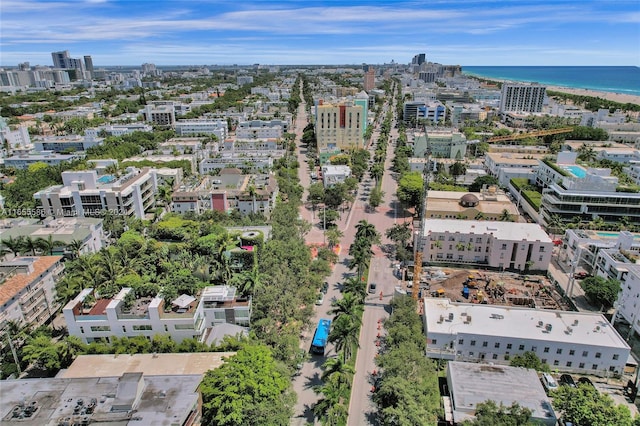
<point>479,240</point>
<point>183,326</point>
<point>598,354</point>
<point>556,362</point>
<point>434,341</point>
<point>485,344</point>
<point>470,353</point>
<point>141,327</point>
<point>497,345</point>
<point>100,328</point>
<point>585,353</point>
<point>124,329</point>
<point>543,360</point>
<point>581,365</point>
<point>542,249</point>
<point>558,351</point>
<point>504,247</point>
<point>615,357</point>
<point>461,341</point>
<point>572,352</point>
<point>82,330</point>
<point>546,350</point>
<point>540,258</point>
<point>218,315</point>
<point>473,343</point>
<point>612,369</point>
<point>509,345</point>
<point>594,367</point>
<point>534,348</point>
<point>568,363</point>
<point>495,356</point>
<point>521,348</point>
<point>449,255</point>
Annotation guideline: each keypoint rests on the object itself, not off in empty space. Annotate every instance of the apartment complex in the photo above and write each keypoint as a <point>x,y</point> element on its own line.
<point>183,318</point>
<point>84,193</point>
<point>339,126</point>
<point>27,290</point>
<point>261,129</point>
<point>23,161</point>
<point>161,113</point>
<point>500,245</point>
<point>414,112</point>
<point>67,144</point>
<point>577,342</point>
<point>443,143</point>
<point>202,127</point>
<point>489,204</point>
<point>522,98</point>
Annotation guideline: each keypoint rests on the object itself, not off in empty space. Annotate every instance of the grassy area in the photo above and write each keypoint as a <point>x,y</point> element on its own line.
<point>533,197</point>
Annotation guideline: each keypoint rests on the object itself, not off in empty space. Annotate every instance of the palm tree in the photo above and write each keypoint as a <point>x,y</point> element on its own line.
<point>457,169</point>
<point>505,216</point>
<point>344,335</point>
<point>368,232</point>
<point>335,370</point>
<point>14,245</point>
<point>47,246</point>
<point>109,269</point>
<point>349,306</point>
<point>75,247</point>
<point>399,233</point>
<point>333,236</point>
<point>69,348</point>
<point>331,409</point>
<point>356,287</point>
<point>30,245</point>
<point>360,257</point>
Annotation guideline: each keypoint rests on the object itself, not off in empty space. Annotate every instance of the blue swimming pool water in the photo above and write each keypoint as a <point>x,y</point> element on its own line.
<point>613,235</point>
<point>106,179</point>
<point>577,171</point>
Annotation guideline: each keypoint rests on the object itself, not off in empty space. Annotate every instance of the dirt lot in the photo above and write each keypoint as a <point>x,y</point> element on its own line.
<point>501,288</point>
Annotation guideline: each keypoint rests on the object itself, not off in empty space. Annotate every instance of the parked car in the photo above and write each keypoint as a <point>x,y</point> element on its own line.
<point>549,382</point>
<point>580,275</point>
<point>567,380</point>
<point>372,288</point>
<point>325,287</point>
<point>585,381</point>
<point>320,300</point>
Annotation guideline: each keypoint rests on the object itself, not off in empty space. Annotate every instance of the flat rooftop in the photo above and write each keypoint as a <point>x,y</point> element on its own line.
<point>148,364</point>
<point>517,323</point>
<point>510,231</point>
<point>164,401</point>
<point>469,387</point>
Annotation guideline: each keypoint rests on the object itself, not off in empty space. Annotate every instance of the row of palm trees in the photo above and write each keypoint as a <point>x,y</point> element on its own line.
<point>337,375</point>
<point>27,245</point>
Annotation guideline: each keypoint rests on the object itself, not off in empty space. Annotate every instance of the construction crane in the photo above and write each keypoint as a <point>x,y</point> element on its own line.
<point>418,244</point>
<point>517,136</point>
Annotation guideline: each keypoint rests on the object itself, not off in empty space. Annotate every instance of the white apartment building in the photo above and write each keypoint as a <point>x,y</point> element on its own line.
<point>443,143</point>
<point>84,193</point>
<point>27,290</point>
<point>254,160</point>
<point>261,129</point>
<point>577,342</point>
<point>202,127</point>
<point>69,143</point>
<point>187,317</point>
<point>23,161</point>
<point>160,112</point>
<point>18,138</point>
<point>238,144</point>
<point>502,245</point>
<point>333,174</point>
<point>522,97</point>
<point>117,129</point>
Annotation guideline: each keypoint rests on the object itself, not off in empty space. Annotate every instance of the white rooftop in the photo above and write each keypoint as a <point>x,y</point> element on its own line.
<point>512,231</point>
<point>516,323</point>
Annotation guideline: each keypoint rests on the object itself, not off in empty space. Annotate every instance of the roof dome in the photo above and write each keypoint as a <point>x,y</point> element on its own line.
<point>469,200</point>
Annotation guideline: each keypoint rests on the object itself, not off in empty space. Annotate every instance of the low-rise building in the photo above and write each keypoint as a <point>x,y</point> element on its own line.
<point>489,204</point>
<point>443,143</point>
<point>261,129</point>
<point>332,175</point>
<point>470,384</point>
<point>66,143</point>
<point>49,158</point>
<point>161,113</point>
<point>117,129</point>
<point>500,245</point>
<point>249,160</point>
<point>202,127</point>
<point>578,342</point>
<point>183,318</point>
<point>27,290</point>
<point>248,193</point>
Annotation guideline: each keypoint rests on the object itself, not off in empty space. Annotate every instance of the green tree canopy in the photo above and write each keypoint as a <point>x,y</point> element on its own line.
<point>584,405</point>
<point>528,360</point>
<point>410,189</point>
<point>479,182</point>
<point>489,413</point>
<point>601,291</point>
<point>248,389</point>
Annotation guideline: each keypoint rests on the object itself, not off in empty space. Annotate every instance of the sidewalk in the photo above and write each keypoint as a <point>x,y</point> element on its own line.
<point>558,274</point>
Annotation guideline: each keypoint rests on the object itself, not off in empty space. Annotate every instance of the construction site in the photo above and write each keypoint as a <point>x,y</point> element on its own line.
<point>487,287</point>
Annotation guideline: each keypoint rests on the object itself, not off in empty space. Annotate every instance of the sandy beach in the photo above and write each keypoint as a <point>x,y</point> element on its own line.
<point>615,97</point>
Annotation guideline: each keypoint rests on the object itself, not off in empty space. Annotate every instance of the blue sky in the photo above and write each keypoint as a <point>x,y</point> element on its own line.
<point>180,32</point>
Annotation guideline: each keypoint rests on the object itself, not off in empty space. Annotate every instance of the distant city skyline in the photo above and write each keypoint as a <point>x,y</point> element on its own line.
<point>199,32</point>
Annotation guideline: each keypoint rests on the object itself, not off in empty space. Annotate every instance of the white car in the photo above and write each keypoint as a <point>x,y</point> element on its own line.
<point>320,300</point>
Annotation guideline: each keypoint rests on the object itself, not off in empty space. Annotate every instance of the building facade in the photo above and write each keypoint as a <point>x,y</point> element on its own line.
<point>446,143</point>
<point>522,97</point>
<point>577,342</point>
<point>205,127</point>
<point>500,245</point>
<point>339,126</point>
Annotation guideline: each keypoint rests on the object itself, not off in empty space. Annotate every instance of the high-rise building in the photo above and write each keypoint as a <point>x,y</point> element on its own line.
<point>522,97</point>
<point>419,59</point>
<point>370,79</point>
<point>88,65</point>
<point>61,59</point>
<point>339,126</point>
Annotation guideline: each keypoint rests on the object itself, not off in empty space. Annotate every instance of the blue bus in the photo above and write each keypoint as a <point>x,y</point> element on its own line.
<point>320,337</point>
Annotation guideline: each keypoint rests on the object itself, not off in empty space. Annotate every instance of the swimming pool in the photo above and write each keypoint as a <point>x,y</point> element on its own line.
<point>106,179</point>
<point>577,171</point>
<point>613,235</point>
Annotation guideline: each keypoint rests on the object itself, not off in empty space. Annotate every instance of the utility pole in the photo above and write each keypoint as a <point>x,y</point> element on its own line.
<point>13,352</point>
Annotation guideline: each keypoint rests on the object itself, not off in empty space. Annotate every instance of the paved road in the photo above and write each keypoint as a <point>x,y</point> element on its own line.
<point>381,273</point>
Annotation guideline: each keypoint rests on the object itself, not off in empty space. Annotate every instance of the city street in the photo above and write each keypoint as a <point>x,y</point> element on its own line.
<point>381,273</point>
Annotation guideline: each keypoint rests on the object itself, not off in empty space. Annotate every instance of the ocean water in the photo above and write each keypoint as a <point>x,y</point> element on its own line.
<point>607,79</point>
